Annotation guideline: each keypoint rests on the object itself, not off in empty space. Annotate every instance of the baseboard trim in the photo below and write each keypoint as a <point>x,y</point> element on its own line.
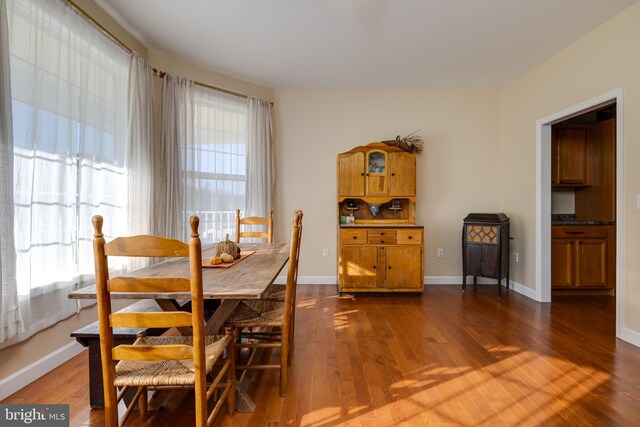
<point>630,336</point>
<point>428,280</point>
<point>457,281</point>
<point>37,369</point>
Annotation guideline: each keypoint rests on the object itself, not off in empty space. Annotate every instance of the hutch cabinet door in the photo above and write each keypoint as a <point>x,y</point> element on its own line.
<point>402,175</point>
<point>377,173</point>
<point>404,267</point>
<point>591,263</point>
<point>351,175</point>
<point>358,266</point>
<point>562,263</point>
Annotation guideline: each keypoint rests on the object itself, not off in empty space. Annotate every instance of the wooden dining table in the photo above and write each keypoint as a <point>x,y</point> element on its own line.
<point>245,280</point>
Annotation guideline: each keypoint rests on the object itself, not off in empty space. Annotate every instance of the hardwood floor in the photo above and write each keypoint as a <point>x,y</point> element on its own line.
<point>442,358</point>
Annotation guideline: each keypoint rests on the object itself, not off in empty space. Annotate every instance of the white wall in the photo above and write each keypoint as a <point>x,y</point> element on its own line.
<point>600,62</point>
<point>456,174</point>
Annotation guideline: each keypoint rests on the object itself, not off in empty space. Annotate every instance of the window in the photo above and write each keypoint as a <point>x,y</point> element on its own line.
<point>214,168</point>
<point>69,86</point>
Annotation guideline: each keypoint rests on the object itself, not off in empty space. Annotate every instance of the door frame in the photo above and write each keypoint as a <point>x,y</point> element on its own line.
<point>543,195</point>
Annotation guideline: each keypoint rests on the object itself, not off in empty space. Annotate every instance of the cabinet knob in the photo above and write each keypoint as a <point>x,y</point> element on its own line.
<point>355,237</point>
<point>389,267</point>
<point>374,267</point>
<point>410,237</point>
<point>367,173</point>
<point>362,174</point>
<point>393,174</point>
<point>382,234</point>
<point>381,241</point>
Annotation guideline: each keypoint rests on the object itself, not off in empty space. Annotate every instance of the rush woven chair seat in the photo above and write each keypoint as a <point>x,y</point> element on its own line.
<point>269,323</point>
<point>166,362</point>
<point>168,372</point>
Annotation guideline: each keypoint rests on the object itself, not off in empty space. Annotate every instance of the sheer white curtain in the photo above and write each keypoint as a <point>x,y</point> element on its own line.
<point>214,165</point>
<point>177,131</point>
<point>260,169</point>
<point>139,161</point>
<point>204,159</point>
<point>10,320</point>
<point>69,86</point>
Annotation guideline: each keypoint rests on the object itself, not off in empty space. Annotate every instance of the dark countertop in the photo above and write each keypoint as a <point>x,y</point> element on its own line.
<point>374,225</point>
<point>569,219</point>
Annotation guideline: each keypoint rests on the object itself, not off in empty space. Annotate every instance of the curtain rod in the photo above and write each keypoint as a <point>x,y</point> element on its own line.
<point>161,74</point>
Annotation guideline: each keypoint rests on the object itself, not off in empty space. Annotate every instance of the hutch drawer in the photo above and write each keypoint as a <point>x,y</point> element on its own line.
<point>353,237</point>
<point>409,237</point>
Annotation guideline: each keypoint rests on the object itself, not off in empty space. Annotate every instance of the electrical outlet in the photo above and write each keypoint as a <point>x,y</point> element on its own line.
<point>440,252</point>
<point>325,253</point>
<point>516,257</point>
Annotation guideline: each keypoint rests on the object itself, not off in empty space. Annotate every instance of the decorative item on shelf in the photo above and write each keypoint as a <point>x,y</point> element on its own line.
<point>395,206</point>
<point>374,208</point>
<point>351,219</point>
<point>352,205</point>
<point>411,143</point>
<point>343,219</point>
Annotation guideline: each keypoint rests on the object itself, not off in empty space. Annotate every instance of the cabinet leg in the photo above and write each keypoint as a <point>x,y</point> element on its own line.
<point>499,288</point>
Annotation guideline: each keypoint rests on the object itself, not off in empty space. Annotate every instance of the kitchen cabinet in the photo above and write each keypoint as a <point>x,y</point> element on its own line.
<point>580,257</point>
<point>376,259</point>
<point>569,156</point>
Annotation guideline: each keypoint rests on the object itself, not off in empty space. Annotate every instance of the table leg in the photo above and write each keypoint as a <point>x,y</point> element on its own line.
<point>220,316</point>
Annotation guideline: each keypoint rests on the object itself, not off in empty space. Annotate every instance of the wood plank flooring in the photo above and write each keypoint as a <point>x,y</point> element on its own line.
<point>442,358</point>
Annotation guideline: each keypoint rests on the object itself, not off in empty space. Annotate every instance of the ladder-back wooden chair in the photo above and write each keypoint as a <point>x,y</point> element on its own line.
<point>273,319</point>
<point>164,362</point>
<point>253,221</point>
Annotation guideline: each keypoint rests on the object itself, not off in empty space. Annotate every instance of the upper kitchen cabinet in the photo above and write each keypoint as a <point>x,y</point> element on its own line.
<point>569,156</point>
<point>377,170</point>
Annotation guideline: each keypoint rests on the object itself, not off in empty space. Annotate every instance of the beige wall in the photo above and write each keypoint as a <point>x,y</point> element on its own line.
<point>19,355</point>
<point>457,172</point>
<point>604,60</point>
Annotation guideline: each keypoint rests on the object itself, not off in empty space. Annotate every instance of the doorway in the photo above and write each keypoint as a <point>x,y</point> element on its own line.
<point>543,194</point>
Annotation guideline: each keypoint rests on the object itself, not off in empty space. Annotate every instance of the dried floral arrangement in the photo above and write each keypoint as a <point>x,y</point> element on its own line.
<point>411,143</point>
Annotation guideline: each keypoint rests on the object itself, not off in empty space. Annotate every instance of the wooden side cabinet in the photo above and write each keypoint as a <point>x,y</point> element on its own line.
<point>580,257</point>
<point>381,259</point>
<point>485,248</point>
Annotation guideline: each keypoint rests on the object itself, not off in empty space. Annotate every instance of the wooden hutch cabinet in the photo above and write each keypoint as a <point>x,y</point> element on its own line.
<point>383,251</point>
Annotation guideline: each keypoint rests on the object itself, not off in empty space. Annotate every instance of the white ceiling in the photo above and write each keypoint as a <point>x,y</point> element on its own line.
<point>385,44</point>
